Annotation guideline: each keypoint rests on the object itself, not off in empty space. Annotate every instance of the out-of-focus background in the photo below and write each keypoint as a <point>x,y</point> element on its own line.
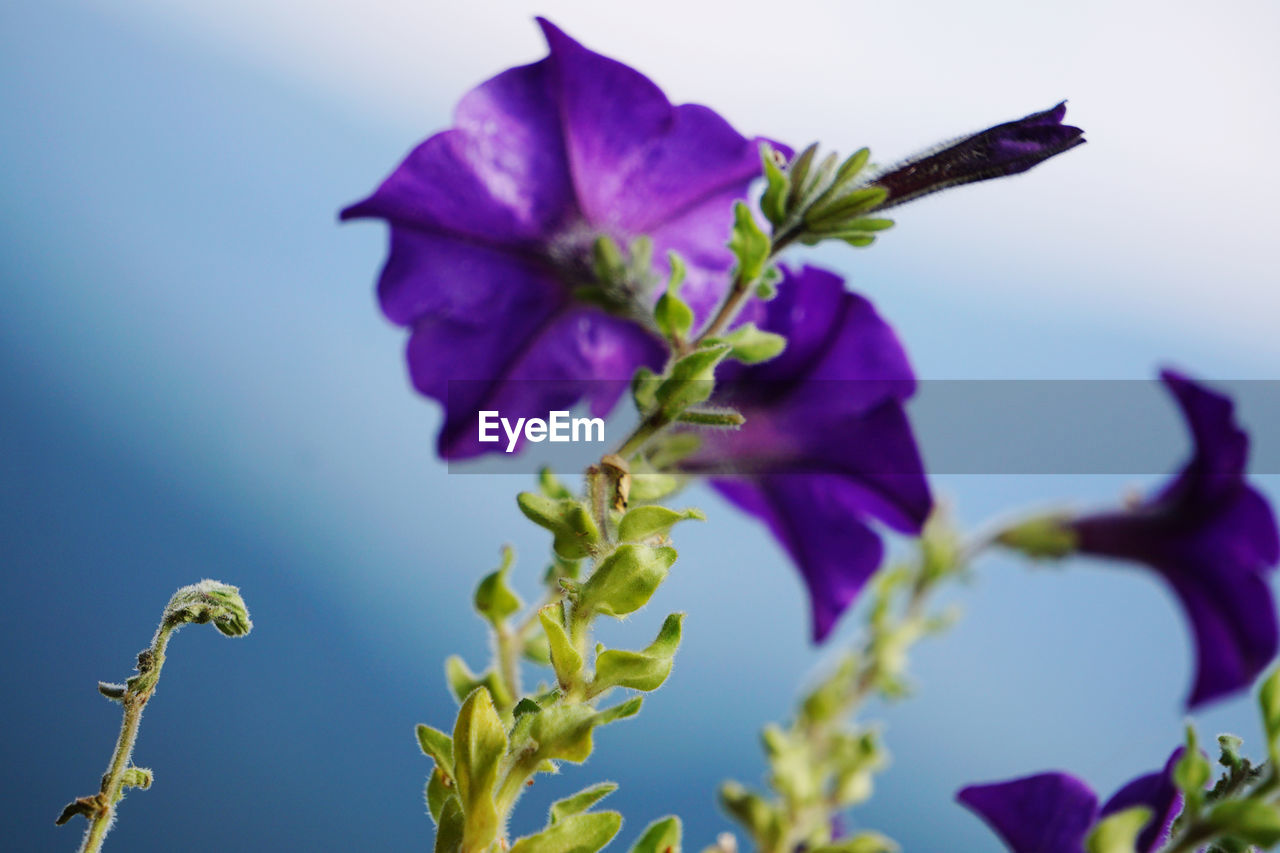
<point>195,382</point>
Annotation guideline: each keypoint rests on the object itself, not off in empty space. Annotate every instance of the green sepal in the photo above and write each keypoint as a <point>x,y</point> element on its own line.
<point>853,165</point>
<point>607,261</point>
<point>494,600</point>
<point>1118,833</point>
<point>646,522</point>
<point>720,418</point>
<point>773,203</point>
<point>1253,821</point>
<point>1269,702</point>
<point>767,286</point>
<point>568,520</point>
<point>462,681</point>
<point>1045,537</point>
<point>551,486</point>
<point>438,746</point>
<point>691,381</point>
<point>661,836</point>
<point>450,827</point>
<point>749,244</point>
<point>798,174</point>
<point>580,833</point>
<point>626,579</point>
<point>751,345</point>
<point>479,745</point>
<point>644,388</point>
<point>672,314</point>
<point>439,789</point>
<point>863,842</point>
<point>579,802</point>
<point>837,212</point>
<point>565,659</point>
<point>645,670</point>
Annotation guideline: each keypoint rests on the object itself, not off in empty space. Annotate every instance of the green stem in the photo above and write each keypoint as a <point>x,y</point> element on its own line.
<point>134,700</point>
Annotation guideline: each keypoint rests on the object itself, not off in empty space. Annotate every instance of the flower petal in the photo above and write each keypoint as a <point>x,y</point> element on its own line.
<point>499,176</point>
<point>638,161</point>
<point>1046,813</point>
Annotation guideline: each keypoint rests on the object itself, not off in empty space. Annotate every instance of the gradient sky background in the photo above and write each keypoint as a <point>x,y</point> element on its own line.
<point>196,382</point>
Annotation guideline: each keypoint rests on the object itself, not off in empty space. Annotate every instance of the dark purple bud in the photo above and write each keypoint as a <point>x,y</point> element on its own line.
<point>1006,149</point>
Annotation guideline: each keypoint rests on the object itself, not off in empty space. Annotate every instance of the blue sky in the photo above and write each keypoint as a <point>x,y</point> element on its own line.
<point>198,383</point>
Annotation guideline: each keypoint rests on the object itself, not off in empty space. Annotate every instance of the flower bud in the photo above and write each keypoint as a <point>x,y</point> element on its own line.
<point>210,601</point>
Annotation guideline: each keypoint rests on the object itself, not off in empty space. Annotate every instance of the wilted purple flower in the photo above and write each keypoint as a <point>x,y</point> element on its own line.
<point>1212,537</point>
<point>493,225</point>
<point>1053,812</point>
<point>826,446</point>
<point>996,152</point>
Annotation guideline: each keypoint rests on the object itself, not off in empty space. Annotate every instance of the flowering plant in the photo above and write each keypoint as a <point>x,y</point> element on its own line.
<point>576,238</point>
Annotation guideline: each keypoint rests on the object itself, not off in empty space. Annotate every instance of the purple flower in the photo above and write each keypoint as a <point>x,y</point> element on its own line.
<point>1006,149</point>
<point>826,446</point>
<point>1213,538</point>
<point>1053,812</point>
<point>493,225</point>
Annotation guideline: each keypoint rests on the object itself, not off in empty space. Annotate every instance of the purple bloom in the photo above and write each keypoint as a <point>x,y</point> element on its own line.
<point>1053,812</point>
<point>1213,538</point>
<point>493,224</point>
<point>1006,149</point>
<point>826,446</point>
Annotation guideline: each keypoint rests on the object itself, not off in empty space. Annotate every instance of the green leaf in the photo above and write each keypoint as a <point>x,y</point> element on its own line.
<point>798,174</point>
<point>551,485</point>
<point>479,744</point>
<point>1192,773</point>
<point>644,670</point>
<point>759,818</point>
<point>437,745</point>
<point>1118,833</point>
<point>565,659</point>
<point>574,529</point>
<point>580,833</point>
<point>773,204</point>
<point>749,244</point>
<point>652,486</point>
<point>672,314</point>
<point>607,261</point>
<point>462,681</point>
<point>1253,821</point>
<point>626,579</point>
<point>661,836</point>
<point>863,842</point>
<point>839,211</point>
<point>645,522</point>
<point>450,827</point>
<point>580,802</point>
<point>691,381</point>
<point>564,732</point>
<point>750,345</point>
<point>438,790</point>
<point>494,600</point>
<point>1269,701</point>
<point>851,167</point>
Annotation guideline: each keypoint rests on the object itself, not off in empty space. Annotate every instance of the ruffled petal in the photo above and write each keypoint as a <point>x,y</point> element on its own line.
<point>1046,813</point>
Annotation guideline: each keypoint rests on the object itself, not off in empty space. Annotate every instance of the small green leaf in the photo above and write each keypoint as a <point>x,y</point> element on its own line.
<point>863,842</point>
<point>438,746</point>
<point>551,485</point>
<point>479,744</point>
<point>462,681</point>
<point>837,212</point>
<point>661,836</point>
<point>644,387</point>
<point>749,243</point>
<point>672,314</point>
<point>759,818</point>
<point>626,579</point>
<point>750,345</point>
<point>645,522</point>
<point>1269,701</point>
<point>691,381</point>
<point>580,802</point>
<point>1192,773</point>
<point>1252,821</point>
<point>607,261</point>
<point>537,650</point>
<point>568,520</point>
<point>564,657</point>
<point>580,833</point>
<point>644,670</point>
<point>439,789</point>
<point>1118,833</point>
<point>773,204</point>
<point>798,174</point>
<point>494,600</point>
<point>450,827</point>
<point>652,486</point>
<point>851,167</point>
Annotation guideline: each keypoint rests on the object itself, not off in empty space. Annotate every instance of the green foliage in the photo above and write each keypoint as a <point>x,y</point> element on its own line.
<point>626,579</point>
<point>863,842</point>
<point>1118,833</point>
<point>479,745</point>
<point>439,789</point>
<point>579,833</point>
<point>1269,703</point>
<point>575,531</point>
<point>749,244</point>
<point>494,600</point>
<point>750,345</point>
<point>646,522</point>
<point>563,732</point>
<point>690,380</point>
<point>1253,821</point>
<point>661,836</point>
<point>565,659</point>
<point>645,670</point>
<point>438,746</point>
<point>580,802</point>
<point>1191,774</point>
<point>463,682</point>
<point>450,827</point>
<point>672,314</point>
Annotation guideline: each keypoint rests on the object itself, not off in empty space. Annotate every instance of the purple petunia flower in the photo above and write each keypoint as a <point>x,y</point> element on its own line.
<point>493,225</point>
<point>1213,538</point>
<point>1006,149</point>
<point>826,446</point>
<point>1054,812</point>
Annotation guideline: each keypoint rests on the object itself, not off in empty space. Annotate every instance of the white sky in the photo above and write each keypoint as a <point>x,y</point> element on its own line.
<point>1167,216</point>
